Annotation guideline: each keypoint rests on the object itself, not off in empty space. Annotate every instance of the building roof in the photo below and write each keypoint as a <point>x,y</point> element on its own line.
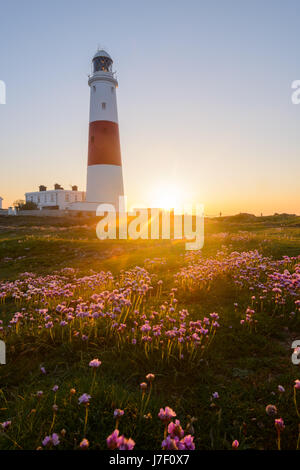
<point>55,191</point>
<point>102,53</point>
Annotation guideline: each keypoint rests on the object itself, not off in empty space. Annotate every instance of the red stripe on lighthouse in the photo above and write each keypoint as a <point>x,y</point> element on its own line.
<point>104,143</point>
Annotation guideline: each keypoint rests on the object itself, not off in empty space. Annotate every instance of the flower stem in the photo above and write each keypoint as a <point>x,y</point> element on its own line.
<point>295,401</point>
<point>278,440</point>
<point>86,418</point>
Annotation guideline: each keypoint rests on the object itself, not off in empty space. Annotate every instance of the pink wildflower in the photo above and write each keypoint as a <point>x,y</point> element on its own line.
<point>166,414</point>
<point>143,386</point>
<point>187,443</point>
<point>169,443</point>
<point>150,377</point>
<point>279,424</point>
<point>84,444</point>
<point>113,441</point>
<point>95,363</point>
<point>235,444</point>
<point>175,429</point>
<point>5,425</point>
<point>126,444</point>
<point>85,398</point>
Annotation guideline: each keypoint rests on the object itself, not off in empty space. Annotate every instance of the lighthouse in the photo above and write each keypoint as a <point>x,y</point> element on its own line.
<point>104,168</point>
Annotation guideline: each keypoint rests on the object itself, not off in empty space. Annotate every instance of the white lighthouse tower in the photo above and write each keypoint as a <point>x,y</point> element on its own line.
<point>104,172</point>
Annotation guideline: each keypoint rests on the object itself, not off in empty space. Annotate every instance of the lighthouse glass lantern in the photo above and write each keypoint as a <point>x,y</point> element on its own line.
<point>102,64</point>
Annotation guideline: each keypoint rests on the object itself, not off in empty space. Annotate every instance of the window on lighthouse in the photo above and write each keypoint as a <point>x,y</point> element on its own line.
<point>103,105</point>
<point>102,64</point>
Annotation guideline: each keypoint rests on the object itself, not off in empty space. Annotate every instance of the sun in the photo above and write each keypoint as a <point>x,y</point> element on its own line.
<point>167,196</point>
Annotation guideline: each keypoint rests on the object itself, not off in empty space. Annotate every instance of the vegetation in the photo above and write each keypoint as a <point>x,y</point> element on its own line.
<point>86,321</point>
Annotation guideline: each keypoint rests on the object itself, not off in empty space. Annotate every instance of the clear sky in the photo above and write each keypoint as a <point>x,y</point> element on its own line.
<point>204,98</point>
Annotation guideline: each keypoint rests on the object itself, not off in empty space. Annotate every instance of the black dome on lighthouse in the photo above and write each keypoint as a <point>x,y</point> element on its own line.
<point>102,62</point>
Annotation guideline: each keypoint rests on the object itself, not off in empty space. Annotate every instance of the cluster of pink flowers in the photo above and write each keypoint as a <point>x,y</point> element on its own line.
<point>272,411</point>
<point>51,307</point>
<point>115,441</point>
<point>41,289</point>
<point>249,318</point>
<point>154,263</point>
<point>275,283</point>
<point>51,440</point>
<point>174,433</point>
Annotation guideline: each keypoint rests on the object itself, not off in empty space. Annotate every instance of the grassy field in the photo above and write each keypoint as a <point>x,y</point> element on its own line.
<point>144,307</point>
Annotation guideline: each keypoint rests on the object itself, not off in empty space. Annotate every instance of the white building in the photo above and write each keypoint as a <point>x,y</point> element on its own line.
<point>1,199</point>
<point>57,198</point>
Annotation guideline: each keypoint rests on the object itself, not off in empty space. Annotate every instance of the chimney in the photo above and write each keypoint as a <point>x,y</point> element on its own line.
<point>57,186</point>
<point>74,188</point>
<point>42,188</point>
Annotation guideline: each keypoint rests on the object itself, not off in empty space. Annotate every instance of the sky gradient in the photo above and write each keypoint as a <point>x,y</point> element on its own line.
<point>204,98</point>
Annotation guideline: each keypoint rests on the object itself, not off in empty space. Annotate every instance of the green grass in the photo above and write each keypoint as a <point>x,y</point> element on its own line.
<point>244,368</point>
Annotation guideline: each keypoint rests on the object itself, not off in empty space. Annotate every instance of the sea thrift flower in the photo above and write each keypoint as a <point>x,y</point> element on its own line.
<point>95,363</point>
<point>118,413</point>
<point>166,414</point>
<point>39,393</point>
<point>215,395</point>
<point>271,410</point>
<point>297,384</point>
<point>55,439</point>
<point>281,389</point>
<point>85,398</point>
<point>51,440</point>
<point>150,377</point>
<point>187,443</point>
<point>46,441</point>
<point>126,444</point>
<point>175,429</point>
<point>143,386</point>
<point>113,441</point>
<point>55,388</point>
<point>279,424</point>
<point>5,425</point>
<point>84,444</point>
<point>169,443</point>
<point>235,444</point>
